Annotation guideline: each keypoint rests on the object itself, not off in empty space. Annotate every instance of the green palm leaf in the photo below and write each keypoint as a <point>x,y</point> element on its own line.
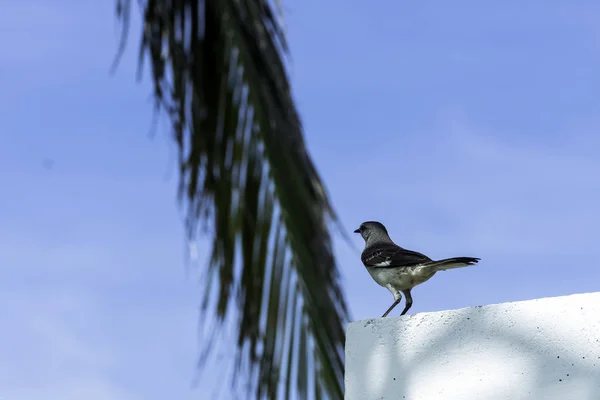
<point>218,72</point>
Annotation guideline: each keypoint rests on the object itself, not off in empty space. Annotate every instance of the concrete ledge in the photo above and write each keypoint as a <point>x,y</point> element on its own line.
<point>540,349</point>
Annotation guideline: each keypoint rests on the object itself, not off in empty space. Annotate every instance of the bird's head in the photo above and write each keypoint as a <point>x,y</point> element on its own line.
<point>371,229</point>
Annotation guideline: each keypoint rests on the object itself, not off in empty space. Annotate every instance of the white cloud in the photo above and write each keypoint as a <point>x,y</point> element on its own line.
<point>47,351</point>
<point>461,186</point>
<point>63,343</point>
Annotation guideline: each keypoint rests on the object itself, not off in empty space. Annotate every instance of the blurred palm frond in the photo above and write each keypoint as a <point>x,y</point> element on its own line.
<point>218,72</point>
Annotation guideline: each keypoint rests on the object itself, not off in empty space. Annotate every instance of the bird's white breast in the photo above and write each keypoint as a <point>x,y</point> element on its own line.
<point>400,278</point>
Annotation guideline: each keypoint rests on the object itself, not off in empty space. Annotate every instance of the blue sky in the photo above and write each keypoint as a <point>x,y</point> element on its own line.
<point>468,129</point>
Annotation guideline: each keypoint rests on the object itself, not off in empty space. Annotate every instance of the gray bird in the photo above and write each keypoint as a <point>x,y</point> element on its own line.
<point>397,269</point>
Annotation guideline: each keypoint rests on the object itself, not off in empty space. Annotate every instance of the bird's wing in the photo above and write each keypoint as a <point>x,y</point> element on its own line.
<point>391,255</point>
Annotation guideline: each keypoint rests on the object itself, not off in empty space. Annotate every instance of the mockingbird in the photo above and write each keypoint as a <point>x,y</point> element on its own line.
<point>397,269</point>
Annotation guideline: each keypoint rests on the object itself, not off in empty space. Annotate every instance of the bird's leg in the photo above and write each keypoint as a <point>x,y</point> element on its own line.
<point>397,298</point>
<point>408,301</point>
<point>394,304</point>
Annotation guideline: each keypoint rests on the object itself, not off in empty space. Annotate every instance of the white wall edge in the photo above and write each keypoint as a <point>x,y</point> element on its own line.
<point>543,349</point>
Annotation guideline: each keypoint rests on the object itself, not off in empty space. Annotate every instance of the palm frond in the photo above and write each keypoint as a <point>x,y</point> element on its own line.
<point>219,74</point>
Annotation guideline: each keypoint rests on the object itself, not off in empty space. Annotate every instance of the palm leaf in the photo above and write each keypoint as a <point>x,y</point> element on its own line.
<point>218,73</point>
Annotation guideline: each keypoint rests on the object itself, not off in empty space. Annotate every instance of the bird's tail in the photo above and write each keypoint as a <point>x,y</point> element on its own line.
<point>451,263</point>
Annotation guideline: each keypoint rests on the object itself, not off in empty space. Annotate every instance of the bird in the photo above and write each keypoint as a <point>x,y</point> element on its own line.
<point>397,269</point>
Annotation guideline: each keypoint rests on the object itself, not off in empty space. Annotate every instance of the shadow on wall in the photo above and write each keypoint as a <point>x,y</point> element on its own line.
<point>540,349</point>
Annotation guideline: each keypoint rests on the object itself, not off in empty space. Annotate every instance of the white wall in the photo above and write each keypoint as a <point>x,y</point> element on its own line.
<point>541,349</point>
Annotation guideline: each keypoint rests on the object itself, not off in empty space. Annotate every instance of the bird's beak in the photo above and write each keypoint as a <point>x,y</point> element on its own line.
<point>357,231</point>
